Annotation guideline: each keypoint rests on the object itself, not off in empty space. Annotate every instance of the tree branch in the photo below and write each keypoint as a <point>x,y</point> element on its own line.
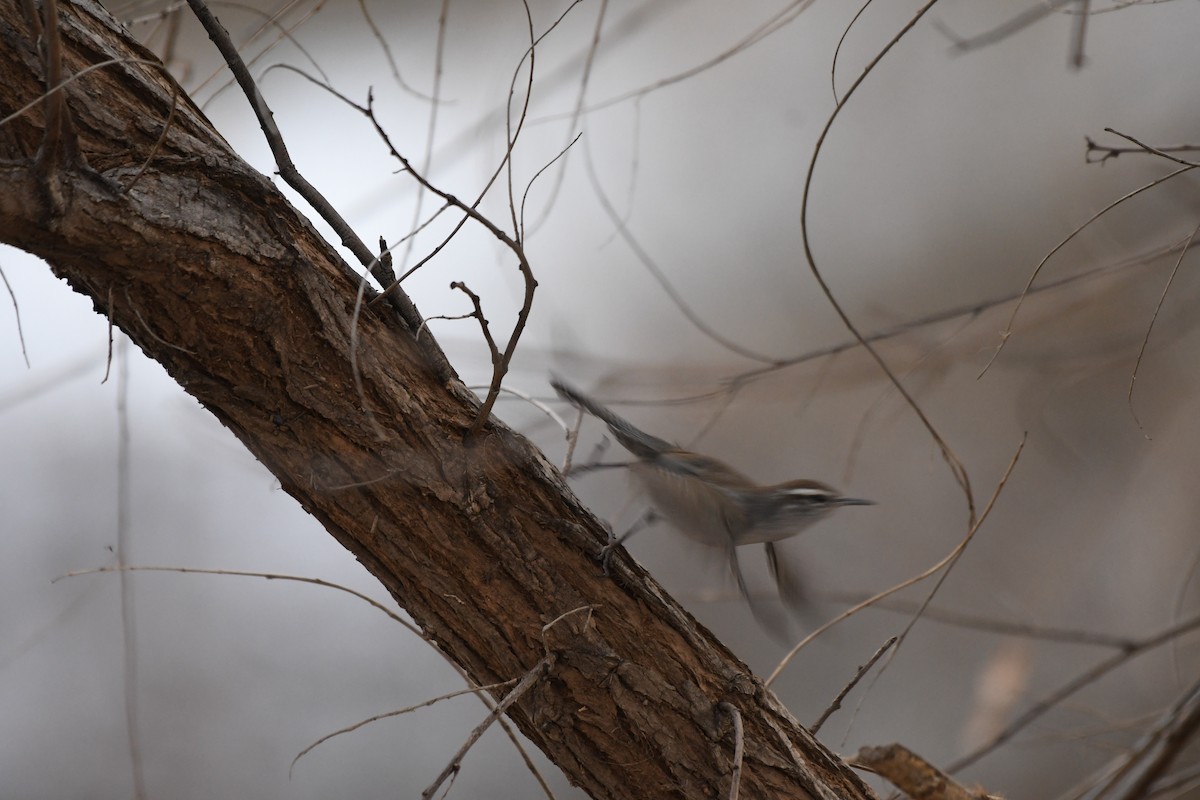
<point>214,275</point>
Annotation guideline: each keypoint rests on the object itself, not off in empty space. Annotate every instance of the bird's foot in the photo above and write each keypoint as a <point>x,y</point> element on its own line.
<point>606,555</point>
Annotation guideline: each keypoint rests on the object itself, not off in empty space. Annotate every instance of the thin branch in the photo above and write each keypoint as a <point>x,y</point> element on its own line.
<point>16,313</point>
<point>1114,152</point>
<point>128,607</point>
<point>483,323</point>
<point>1080,34</point>
<point>528,186</point>
<point>287,170</point>
<point>772,25</point>
<point>271,576</point>
<point>153,335</point>
<point>162,137</point>
<point>656,272</point>
<point>950,557</point>
<point>960,550</point>
<point>283,159</point>
<point>956,466</point>
<point>1149,328</point>
<point>531,400</point>
<point>968,312</point>
<point>1007,332</point>
<point>111,316</point>
<point>59,146</point>
<point>60,88</point>
<point>739,743</point>
<point>387,53</point>
<point>269,21</point>
<point>838,50</point>
<point>439,52</point>
<point>450,317</point>
<point>1071,687</point>
<point>275,576</point>
<point>1005,29</point>
<point>858,676</point>
<point>573,123</point>
<point>1169,738</point>
<point>501,367</point>
<point>1154,150</point>
<point>979,623</point>
<point>400,712</point>
<point>526,683</point>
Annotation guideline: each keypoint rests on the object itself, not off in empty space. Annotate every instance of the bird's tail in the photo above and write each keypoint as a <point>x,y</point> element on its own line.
<point>636,441</point>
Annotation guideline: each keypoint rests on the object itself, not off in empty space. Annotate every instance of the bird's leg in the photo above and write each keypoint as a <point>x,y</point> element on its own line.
<point>606,552</point>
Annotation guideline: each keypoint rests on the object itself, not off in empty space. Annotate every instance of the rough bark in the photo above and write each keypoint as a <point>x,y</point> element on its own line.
<point>214,275</point>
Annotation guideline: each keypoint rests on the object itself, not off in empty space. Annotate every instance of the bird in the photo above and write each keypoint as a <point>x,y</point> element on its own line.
<point>712,503</point>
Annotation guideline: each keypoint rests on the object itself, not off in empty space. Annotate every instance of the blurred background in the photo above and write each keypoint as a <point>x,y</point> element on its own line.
<point>672,283</point>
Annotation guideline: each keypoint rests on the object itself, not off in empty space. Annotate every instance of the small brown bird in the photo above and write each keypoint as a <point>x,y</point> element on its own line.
<point>714,504</point>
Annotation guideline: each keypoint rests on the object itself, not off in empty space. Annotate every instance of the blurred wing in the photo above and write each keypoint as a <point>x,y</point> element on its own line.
<point>773,622</point>
<point>790,587</point>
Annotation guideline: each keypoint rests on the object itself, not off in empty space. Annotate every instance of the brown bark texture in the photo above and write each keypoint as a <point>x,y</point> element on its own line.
<point>205,265</point>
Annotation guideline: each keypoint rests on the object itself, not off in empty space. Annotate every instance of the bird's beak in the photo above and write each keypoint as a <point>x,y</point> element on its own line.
<point>854,501</point>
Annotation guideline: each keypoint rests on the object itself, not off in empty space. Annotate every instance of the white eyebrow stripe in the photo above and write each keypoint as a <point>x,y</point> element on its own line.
<point>809,492</point>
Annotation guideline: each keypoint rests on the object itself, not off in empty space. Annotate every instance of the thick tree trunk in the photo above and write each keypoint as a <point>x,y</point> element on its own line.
<point>212,273</point>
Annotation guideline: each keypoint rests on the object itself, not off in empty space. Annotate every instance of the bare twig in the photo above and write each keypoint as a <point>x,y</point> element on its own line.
<point>271,576</point>
<point>354,593</point>
<point>739,743</point>
<point>531,400</point>
<point>959,550</point>
<point>527,682</point>
<point>16,313</point>
<point>980,623</point>
<point>858,676</point>
<point>59,145</point>
<point>389,714</point>
<point>439,53</point>
<point>573,124</point>
<point>1154,150</point>
<point>387,53</point>
<point>146,327</point>
<point>775,23</point>
<point>271,20</point>
<point>162,137</point>
<point>838,50</point>
<point>656,272</point>
<point>1005,29</point>
<point>1180,725</point>
<point>1114,152</point>
<point>1074,685</point>
<point>1080,34</point>
<point>128,607</point>
<point>500,368</point>
<point>950,558</point>
<point>288,171</point>
<point>1007,332</point>
<point>1149,328</point>
<point>561,155</point>
<point>478,314</point>
<point>956,466</point>
<point>283,159</point>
